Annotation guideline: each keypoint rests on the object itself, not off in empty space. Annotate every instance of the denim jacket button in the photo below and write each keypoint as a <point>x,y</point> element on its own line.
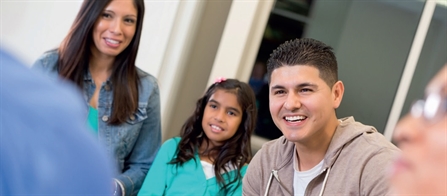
<point>132,117</point>
<point>107,87</point>
<point>105,118</point>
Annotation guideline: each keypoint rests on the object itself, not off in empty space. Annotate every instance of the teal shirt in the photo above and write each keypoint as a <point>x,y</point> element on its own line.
<point>188,179</point>
<point>92,120</point>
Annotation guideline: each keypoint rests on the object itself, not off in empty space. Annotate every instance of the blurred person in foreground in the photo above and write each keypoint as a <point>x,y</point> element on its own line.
<point>45,148</point>
<point>422,136</point>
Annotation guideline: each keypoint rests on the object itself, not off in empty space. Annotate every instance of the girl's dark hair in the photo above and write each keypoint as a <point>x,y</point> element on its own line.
<point>74,54</point>
<point>236,150</point>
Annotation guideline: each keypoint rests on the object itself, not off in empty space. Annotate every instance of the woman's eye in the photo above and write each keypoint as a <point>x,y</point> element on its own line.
<point>130,21</point>
<point>213,106</point>
<point>106,15</point>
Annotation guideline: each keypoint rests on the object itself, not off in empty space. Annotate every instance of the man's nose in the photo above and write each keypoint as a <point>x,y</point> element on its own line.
<point>292,102</point>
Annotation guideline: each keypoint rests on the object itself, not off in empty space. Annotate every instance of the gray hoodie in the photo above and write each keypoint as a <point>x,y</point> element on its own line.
<point>355,164</point>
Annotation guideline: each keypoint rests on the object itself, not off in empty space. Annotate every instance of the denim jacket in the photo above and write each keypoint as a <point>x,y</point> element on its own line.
<point>132,145</point>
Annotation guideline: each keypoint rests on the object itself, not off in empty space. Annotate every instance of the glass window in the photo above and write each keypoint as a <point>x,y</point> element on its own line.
<point>371,40</point>
<point>287,21</point>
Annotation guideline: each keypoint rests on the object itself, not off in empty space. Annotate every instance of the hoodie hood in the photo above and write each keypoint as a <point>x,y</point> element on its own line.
<point>355,130</point>
<point>285,148</point>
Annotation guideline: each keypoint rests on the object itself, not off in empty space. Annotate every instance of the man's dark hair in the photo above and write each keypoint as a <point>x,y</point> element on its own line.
<point>308,52</point>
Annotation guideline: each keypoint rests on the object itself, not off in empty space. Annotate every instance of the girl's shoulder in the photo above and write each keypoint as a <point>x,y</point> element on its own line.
<point>173,142</point>
<point>169,147</point>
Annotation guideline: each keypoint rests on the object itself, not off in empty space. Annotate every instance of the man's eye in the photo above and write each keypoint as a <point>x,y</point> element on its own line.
<point>279,92</point>
<point>306,90</point>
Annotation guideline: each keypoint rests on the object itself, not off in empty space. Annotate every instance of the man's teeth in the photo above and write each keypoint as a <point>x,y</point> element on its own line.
<point>216,127</point>
<point>295,118</point>
<point>112,41</point>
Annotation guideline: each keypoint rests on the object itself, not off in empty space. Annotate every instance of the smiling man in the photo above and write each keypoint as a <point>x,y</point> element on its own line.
<point>318,153</point>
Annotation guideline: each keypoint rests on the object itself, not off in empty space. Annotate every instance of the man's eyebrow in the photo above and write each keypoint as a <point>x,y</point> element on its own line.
<point>277,87</point>
<point>301,85</point>
<point>306,84</point>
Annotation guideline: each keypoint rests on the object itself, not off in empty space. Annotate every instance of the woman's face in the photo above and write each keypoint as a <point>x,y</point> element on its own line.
<point>115,28</point>
<point>422,137</point>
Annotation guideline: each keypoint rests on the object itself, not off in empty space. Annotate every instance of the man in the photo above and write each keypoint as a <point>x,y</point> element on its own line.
<point>44,145</point>
<point>318,153</point>
<point>422,136</point>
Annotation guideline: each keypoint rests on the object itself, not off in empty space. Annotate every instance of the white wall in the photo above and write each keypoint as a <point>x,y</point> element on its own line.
<point>29,28</point>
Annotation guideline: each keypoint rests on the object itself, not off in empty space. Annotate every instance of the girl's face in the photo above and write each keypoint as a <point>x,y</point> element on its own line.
<point>221,117</point>
<point>422,136</point>
<point>115,28</point>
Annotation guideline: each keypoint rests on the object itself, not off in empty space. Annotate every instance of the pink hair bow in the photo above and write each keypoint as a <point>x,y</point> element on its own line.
<point>220,79</point>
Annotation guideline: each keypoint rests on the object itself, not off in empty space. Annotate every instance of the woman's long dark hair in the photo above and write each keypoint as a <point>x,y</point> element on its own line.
<point>74,55</point>
<point>236,150</point>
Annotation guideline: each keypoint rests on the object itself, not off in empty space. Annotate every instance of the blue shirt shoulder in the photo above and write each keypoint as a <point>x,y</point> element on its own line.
<point>42,132</point>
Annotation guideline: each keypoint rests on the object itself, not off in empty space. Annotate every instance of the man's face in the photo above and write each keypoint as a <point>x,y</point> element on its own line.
<point>422,136</point>
<point>302,104</point>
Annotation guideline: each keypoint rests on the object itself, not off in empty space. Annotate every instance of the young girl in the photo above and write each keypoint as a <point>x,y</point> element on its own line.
<point>211,156</point>
<point>122,101</point>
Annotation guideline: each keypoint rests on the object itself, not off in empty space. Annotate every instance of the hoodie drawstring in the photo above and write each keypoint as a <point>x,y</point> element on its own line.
<point>269,182</point>
<point>324,182</point>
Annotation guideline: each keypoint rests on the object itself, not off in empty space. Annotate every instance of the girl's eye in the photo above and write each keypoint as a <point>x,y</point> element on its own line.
<point>213,106</point>
<point>231,113</point>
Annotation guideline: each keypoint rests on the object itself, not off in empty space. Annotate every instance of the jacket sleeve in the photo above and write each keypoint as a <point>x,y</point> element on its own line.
<point>39,64</point>
<point>47,64</point>
<point>251,181</point>
<point>374,179</point>
<point>143,153</point>
<point>155,182</point>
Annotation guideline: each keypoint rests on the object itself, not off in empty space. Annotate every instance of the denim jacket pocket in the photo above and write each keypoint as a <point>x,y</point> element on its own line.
<point>129,131</point>
<point>139,116</point>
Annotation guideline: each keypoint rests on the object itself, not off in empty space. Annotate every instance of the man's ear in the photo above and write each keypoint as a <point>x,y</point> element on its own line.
<point>337,93</point>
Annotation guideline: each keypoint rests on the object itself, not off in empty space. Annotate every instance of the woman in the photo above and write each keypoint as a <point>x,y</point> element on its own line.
<point>422,136</point>
<point>98,55</point>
